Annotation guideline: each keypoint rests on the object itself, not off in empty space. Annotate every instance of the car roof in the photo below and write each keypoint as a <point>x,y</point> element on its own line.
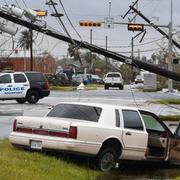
<point>102,105</point>
<point>113,73</point>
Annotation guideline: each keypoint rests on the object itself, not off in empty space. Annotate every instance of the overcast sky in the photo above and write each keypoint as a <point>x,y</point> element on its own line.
<point>119,39</point>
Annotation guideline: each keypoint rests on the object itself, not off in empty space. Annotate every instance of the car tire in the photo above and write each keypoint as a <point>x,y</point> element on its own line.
<point>121,87</point>
<point>106,87</point>
<point>21,100</point>
<point>106,159</point>
<point>33,97</point>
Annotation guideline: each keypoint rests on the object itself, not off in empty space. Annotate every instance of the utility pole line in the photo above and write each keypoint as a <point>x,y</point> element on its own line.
<point>155,26</point>
<point>170,67</point>
<point>96,49</point>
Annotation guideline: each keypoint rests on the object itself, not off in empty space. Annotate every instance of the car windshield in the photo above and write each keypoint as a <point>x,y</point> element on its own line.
<point>113,75</point>
<point>177,132</point>
<point>74,111</point>
<point>139,77</point>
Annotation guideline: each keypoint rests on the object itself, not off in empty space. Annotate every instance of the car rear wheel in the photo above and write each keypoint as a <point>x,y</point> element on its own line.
<point>33,97</point>
<point>106,159</point>
<point>21,100</point>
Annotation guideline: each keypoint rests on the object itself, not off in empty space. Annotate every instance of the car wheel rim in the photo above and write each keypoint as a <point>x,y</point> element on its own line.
<point>107,162</point>
<point>33,98</point>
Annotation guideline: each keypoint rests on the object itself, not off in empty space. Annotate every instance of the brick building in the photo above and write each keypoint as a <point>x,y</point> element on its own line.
<point>45,63</point>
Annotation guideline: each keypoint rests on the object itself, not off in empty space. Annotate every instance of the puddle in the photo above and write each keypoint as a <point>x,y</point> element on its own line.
<point>142,172</point>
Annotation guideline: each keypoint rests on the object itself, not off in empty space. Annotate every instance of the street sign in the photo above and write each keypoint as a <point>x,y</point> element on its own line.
<point>108,22</point>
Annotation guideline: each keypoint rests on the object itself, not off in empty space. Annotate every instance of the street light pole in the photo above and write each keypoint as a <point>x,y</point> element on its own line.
<point>109,9</point>
<point>31,49</point>
<point>170,67</point>
<point>132,55</point>
<point>106,49</point>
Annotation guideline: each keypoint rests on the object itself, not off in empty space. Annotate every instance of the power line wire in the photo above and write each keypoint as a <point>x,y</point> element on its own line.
<point>70,20</point>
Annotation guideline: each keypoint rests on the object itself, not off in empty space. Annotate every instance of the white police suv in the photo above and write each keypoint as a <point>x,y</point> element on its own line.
<point>23,86</point>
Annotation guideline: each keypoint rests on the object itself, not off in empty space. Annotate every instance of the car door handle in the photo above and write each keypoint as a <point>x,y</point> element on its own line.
<point>9,86</point>
<point>25,84</point>
<point>128,134</point>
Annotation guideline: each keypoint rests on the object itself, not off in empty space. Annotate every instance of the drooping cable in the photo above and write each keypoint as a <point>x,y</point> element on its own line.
<point>25,5</point>
<point>60,20</point>
<point>70,20</point>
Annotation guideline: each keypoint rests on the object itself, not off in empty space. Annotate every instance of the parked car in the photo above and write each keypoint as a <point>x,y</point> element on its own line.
<point>139,79</point>
<point>113,79</point>
<point>96,79</point>
<point>23,86</point>
<point>107,132</point>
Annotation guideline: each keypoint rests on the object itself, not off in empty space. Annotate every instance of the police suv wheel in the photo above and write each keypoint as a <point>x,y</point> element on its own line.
<point>21,100</point>
<point>33,97</point>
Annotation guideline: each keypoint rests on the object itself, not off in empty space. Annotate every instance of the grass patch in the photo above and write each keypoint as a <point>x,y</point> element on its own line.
<point>63,88</point>
<point>170,118</point>
<point>17,164</point>
<point>74,88</point>
<point>167,101</point>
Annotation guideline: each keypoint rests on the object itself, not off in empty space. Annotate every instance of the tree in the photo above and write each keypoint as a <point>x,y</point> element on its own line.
<point>74,52</point>
<point>25,40</point>
<point>24,43</point>
<point>126,71</point>
<point>90,59</point>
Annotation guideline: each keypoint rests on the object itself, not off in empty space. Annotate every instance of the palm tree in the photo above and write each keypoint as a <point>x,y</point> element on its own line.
<point>74,52</point>
<point>25,40</point>
<point>24,43</point>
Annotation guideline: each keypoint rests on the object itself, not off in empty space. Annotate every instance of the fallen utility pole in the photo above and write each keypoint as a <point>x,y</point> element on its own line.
<point>156,27</point>
<point>94,48</point>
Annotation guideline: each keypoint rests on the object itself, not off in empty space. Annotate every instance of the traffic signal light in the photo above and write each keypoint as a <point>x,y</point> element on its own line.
<point>41,13</point>
<point>90,24</point>
<point>135,27</point>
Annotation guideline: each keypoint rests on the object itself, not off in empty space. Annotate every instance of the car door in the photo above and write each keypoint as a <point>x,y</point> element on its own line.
<point>20,85</point>
<point>174,154</point>
<point>158,136</point>
<point>5,86</point>
<point>134,136</point>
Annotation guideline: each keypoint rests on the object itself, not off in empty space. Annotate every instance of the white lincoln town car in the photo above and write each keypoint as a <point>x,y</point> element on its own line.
<point>109,133</point>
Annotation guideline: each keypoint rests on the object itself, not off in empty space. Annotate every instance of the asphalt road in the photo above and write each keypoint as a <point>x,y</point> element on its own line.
<point>129,97</point>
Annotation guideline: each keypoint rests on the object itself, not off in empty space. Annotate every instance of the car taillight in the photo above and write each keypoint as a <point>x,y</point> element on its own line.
<point>73,132</point>
<point>58,134</point>
<point>46,85</point>
<point>40,131</point>
<point>24,130</point>
<point>15,125</point>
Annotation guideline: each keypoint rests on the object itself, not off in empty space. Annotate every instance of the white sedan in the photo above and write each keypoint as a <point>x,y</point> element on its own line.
<point>107,132</point>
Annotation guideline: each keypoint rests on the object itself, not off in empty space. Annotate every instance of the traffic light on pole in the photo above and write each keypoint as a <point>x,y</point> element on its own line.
<point>41,13</point>
<point>135,27</point>
<point>90,24</point>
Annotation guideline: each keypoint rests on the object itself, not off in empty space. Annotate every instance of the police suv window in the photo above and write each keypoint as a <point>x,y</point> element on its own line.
<point>132,120</point>
<point>18,78</point>
<point>6,78</point>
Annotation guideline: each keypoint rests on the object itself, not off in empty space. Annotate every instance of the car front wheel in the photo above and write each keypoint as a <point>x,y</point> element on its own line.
<point>106,159</point>
<point>106,87</point>
<point>33,97</point>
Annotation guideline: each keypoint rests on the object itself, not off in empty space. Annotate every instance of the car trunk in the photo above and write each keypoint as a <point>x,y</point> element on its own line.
<point>45,126</point>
